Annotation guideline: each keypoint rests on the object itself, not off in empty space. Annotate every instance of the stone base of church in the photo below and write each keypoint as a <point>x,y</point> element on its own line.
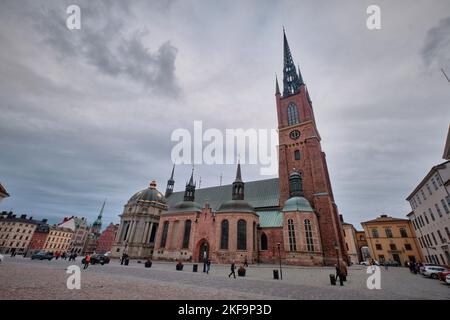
<point>134,251</point>
<point>296,259</point>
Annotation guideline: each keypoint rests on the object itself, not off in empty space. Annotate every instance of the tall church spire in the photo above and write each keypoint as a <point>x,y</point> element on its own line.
<point>170,183</point>
<point>238,185</point>
<point>291,80</point>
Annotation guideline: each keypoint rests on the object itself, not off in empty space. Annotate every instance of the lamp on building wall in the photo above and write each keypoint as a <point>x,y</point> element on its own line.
<point>279,256</point>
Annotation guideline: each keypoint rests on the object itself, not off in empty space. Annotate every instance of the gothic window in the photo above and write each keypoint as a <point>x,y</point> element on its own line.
<point>187,234</point>
<point>292,114</point>
<point>224,235</point>
<point>309,236</point>
<point>375,233</point>
<point>242,235</point>
<point>164,234</point>
<point>297,154</point>
<point>291,233</point>
<point>264,244</point>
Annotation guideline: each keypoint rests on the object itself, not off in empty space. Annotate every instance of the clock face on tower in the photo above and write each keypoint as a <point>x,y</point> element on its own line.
<point>294,134</point>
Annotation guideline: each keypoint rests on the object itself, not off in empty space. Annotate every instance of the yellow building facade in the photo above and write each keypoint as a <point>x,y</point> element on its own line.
<point>392,240</point>
<point>58,239</point>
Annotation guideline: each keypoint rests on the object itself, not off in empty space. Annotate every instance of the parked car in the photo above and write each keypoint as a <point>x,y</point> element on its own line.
<point>99,258</point>
<point>422,268</point>
<point>1,258</point>
<point>443,275</point>
<point>447,279</point>
<point>432,271</point>
<point>42,255</point>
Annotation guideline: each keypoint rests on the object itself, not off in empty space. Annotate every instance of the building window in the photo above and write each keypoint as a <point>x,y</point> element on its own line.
<point>434,184</point>
<point>440,236</point>
<point>445,206</point>
<point>297,154</point>
<point>438,179</point>
<point>375,233</point>
<point>309,236</point>
<point>224,235</point>
<point>431,215</point>
<point>291,231</point>
<point>242,235</point>
<point>429,189</point>
<point>438,209</point>
<point>448,232</point>
<point>434,239</point>
<point>388,232</point>
<point>292,114</point>
<point>164,234</point>
<point>393,246</point>
<point>426,218</point>
<point>378,246</point>
<point>264,244</point>
<point>187,233</point>
<point>403,233</point>
<point>423,195</point>
<point>408,247</point>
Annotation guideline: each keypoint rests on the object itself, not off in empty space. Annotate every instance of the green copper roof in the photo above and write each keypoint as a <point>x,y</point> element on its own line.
<point>269,219</point>
<point>297,204</point>
<point>259,194</point>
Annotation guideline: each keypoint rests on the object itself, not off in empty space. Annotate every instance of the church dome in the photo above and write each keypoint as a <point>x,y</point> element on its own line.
<point>151,194</point>
<point>297,204</point>
<point>236,206</point>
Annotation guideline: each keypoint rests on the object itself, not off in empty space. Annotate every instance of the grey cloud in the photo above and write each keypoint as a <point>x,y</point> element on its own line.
<point>105,43</point>
<point>436,48</point>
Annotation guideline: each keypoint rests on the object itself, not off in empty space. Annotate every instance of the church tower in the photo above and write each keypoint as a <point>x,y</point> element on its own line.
<point>300,150</point>
<point>170,184</point>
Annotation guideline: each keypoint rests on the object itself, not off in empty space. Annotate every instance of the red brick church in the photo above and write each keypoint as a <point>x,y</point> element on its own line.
<point>293,217</point>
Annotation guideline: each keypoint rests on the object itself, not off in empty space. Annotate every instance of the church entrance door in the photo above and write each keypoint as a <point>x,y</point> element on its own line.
<point>203,252</point>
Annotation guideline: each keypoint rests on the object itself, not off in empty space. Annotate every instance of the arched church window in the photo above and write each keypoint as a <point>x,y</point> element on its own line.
<point>187,233</point>
<point>297,154</point>
<point>264,244</point>
<point>309,236</point>
<point>292,114</point>
<point>224,235</point>
<point>242,235</point>
<point>164,234</point>
<point>291,233</point>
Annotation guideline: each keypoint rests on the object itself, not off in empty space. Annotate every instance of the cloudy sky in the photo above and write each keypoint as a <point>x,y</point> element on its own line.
<point>87,114</point>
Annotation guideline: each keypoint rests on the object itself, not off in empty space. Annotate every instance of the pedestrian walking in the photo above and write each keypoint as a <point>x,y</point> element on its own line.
<point>386,265</point>
<point>87,260</point>
<point>208,266</point>
<point>246,262</point>
<point>233,268</point>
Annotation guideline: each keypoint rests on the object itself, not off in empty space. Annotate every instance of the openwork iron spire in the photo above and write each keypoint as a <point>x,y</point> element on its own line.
<point>170,183</point>
<point>291,80</point>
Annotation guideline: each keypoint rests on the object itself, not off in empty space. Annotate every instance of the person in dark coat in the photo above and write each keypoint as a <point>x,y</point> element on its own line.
<point>233,268</point>
<point>246,262</point>
<point>208,266</point>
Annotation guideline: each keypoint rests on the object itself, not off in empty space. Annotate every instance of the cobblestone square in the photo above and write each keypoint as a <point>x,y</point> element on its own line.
<point>22,278</point>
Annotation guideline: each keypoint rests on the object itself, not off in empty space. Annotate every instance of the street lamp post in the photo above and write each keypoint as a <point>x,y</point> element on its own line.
<point>279,256</point>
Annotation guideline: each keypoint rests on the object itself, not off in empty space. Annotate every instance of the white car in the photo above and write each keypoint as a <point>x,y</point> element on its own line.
<point>432,271</point>
<point>1,258</point>
<point>367,263</point>
<point>447,279</point>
